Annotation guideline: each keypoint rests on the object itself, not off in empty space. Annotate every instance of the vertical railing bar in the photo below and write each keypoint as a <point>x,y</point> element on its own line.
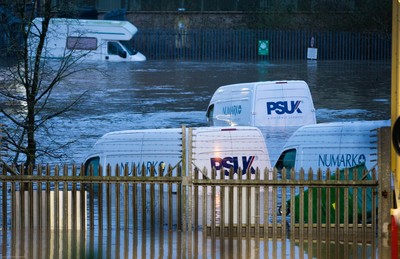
<point>310,221</point>
<point>134,212</point>
<point>337,211</point>
<point>100,202</point>
<point>364,221</point>
<point>152,200</point>
<point>319,214</point>
<point>66,210</point>
<point>134,201</point>
<point>56,198</point>
<point>274,216</point>
<point>196,201</point>
<point>179,200</point>
<point>39,199</point>
<point>205,210</point>
<point>257,208</point>
<point>74,202</point>
<point>346,204</point>
<point>14,215</point>
<point>213,207</point>
<point>249,192</point>
<point>374,216</point>
<point>108,198</point>
<point>30,198</point>
<point>126,202</point>
<point>170,205</point>
<point>328,210</point>
<point>355,212</point>
<point>22,199</point>
<point>48,204</point>
<point>292,229</point>
<point>283,217</point>
<point>266,212</point>
<point>91,200</point>
<point>161,202</point>
<point>240,209</point>
<point>144,186</point>
<point>4,211</point>
<point>117,200</point>
<point>301,212</point>
<point>222,209</point>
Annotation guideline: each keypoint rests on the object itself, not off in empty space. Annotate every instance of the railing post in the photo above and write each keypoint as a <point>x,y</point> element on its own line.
<point>385,196</point>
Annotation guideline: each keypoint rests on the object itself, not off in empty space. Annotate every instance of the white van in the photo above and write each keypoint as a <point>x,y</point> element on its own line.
<point>86,39</point>
<point>332,145</point>
<point>219,147</point>
<point>270,103</point>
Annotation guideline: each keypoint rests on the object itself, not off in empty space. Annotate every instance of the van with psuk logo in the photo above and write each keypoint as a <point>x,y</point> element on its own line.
<point>269,103</point>
<point>205,147</point>
<point>225,148</point>
<point>332,145</point>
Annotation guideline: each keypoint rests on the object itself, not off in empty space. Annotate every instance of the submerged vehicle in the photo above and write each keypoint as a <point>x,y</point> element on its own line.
<point>259,104</point>
<point>86,39</point>
<point>221,148</point>
<point>332,145</point>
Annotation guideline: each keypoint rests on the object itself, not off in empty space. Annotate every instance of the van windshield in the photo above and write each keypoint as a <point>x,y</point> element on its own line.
<point>286,160</point>
<point>129,47</point>
<point>92,163</point>
<point>210,114</point>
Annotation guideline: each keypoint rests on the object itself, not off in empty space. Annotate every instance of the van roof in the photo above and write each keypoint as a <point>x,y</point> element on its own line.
<point>125,137</point>
<point>331,133</point>
<point>265,85</point>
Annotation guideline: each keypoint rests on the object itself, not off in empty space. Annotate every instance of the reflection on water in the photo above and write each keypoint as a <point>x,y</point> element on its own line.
<point>33,243</point>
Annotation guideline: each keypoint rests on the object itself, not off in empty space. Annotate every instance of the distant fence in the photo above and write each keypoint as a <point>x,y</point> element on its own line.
<point>243,45</point>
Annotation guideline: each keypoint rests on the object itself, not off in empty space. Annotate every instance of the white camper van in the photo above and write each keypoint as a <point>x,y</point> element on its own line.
<point>332,145</point>
<point>270,103</point>
<point>88,39</point>
<point>219,147</point>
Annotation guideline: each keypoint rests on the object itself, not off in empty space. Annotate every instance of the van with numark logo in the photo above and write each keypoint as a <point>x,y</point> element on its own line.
<point>260,104</point>
<point>332,145</point>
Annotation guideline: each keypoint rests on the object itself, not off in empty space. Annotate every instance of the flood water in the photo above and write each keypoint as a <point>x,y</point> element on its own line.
<point>165,94</point>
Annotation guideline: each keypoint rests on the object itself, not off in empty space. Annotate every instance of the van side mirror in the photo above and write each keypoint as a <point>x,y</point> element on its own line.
<point>396,136</point>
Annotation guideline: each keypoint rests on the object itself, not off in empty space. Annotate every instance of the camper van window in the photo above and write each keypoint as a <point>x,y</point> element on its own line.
<point>94,162</point>
<point>82,43</point>
<point>115,49</point>
<point>128,46</point>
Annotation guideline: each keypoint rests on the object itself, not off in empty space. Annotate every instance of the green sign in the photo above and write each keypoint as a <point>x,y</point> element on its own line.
<point>263,47</point>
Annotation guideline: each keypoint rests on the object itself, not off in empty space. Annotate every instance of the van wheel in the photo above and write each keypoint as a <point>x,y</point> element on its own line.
<point>280,212</point>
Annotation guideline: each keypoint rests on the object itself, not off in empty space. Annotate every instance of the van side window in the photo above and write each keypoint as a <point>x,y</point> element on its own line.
<point>82,43</point>
<point>94,162</point>
<point>286,160</point>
